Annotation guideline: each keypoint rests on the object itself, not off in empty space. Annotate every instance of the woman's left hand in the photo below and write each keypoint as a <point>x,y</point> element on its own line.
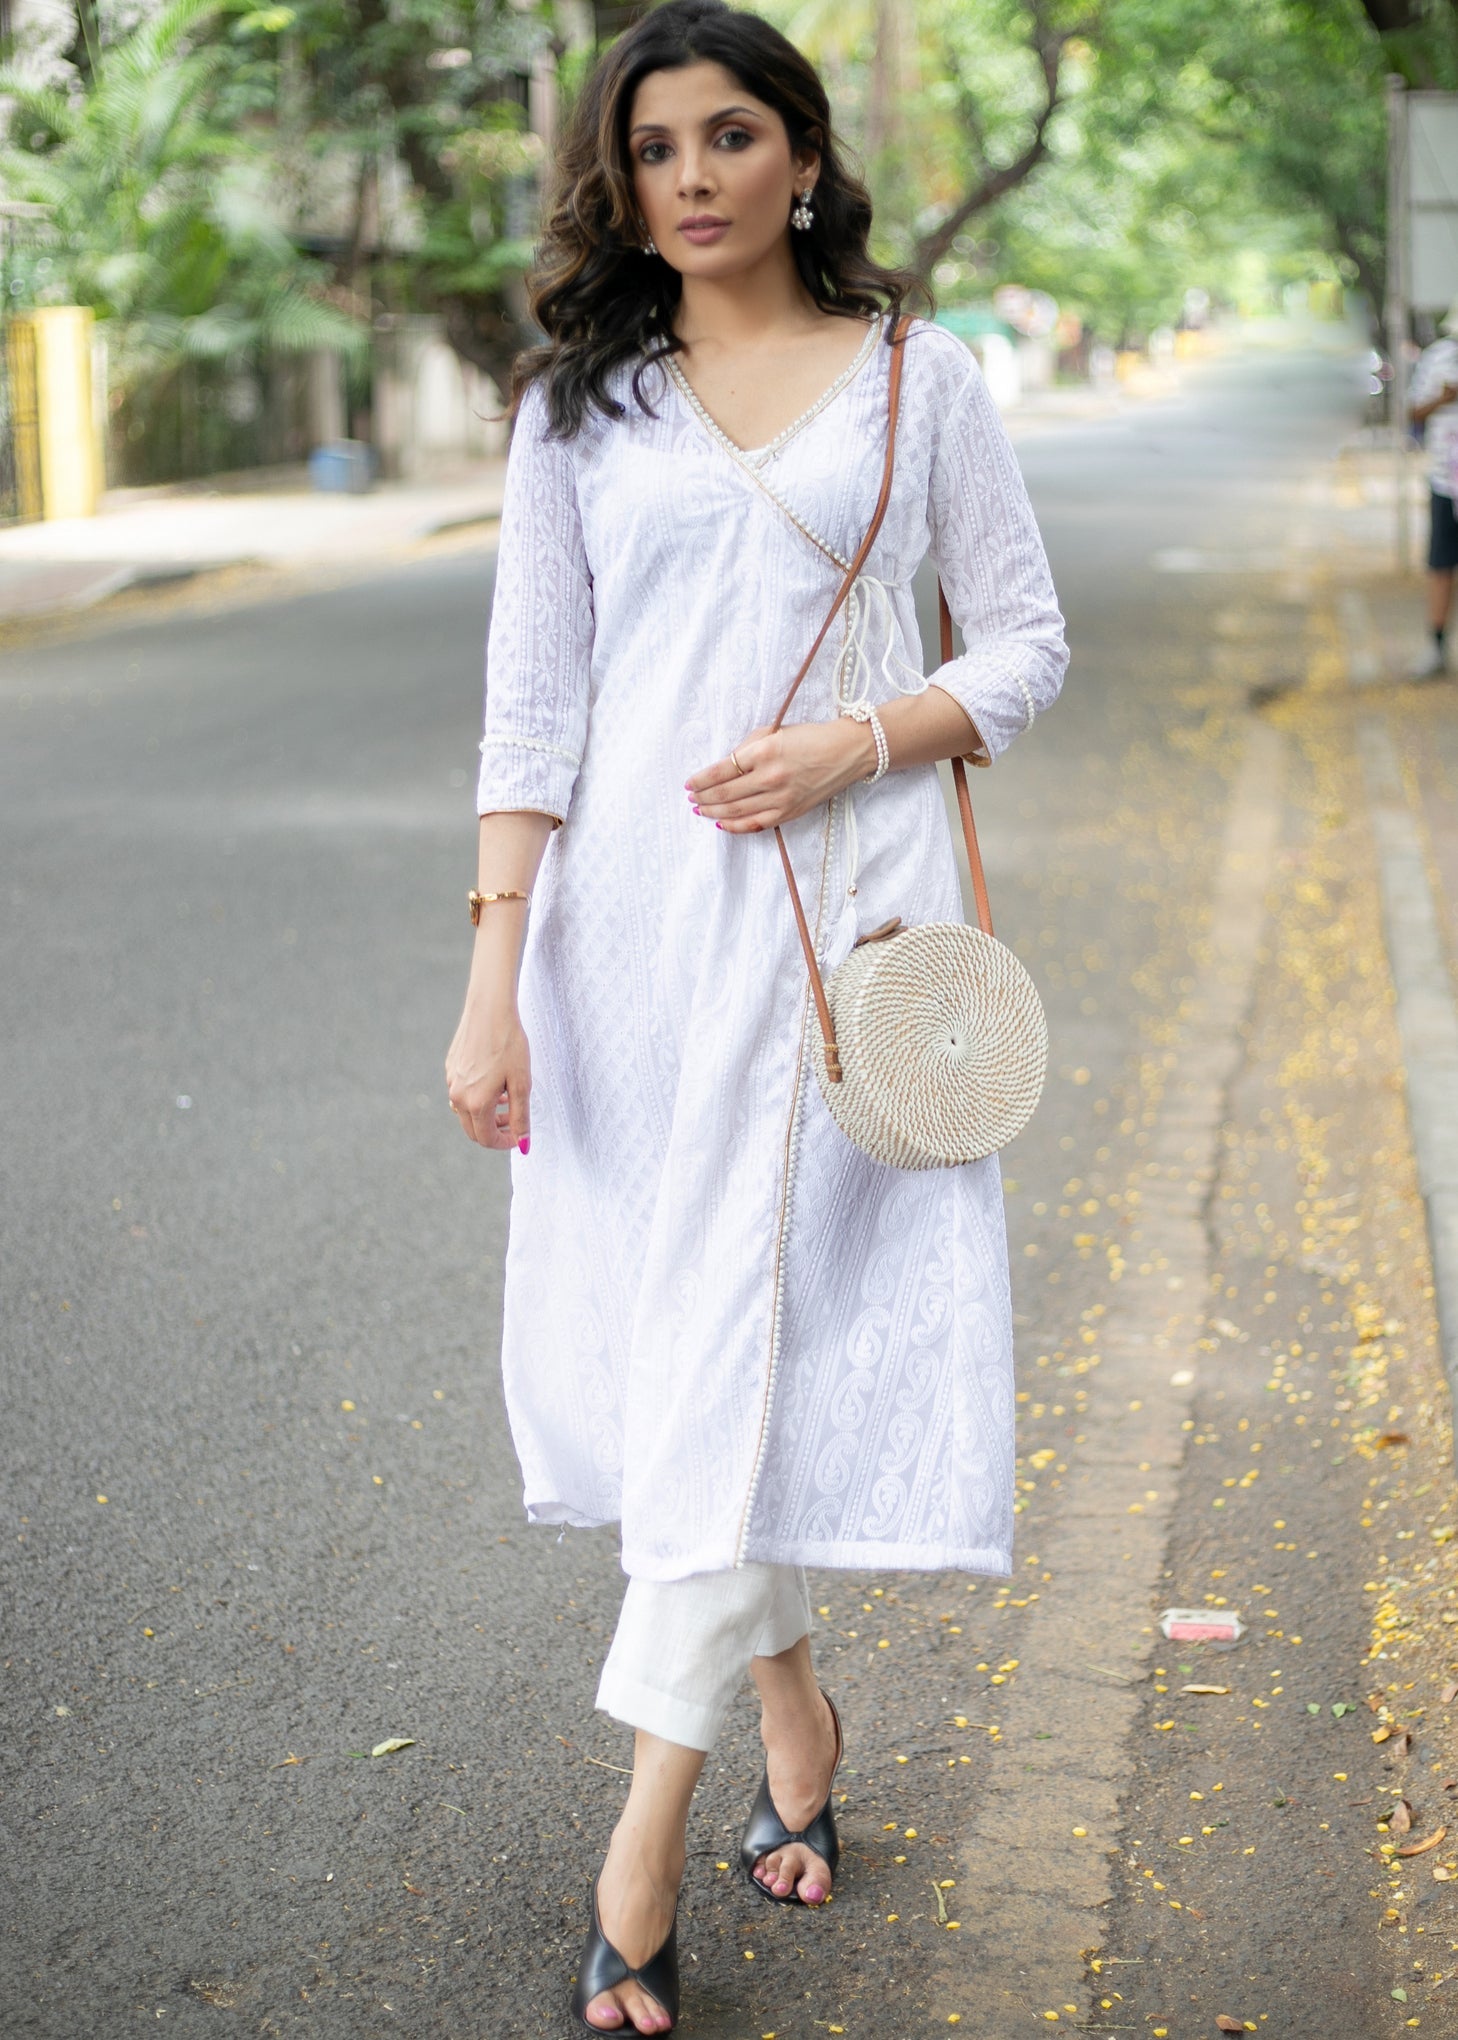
<point>772,776</point>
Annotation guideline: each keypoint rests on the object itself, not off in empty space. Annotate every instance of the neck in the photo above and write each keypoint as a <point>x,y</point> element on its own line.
<point>764,302</point>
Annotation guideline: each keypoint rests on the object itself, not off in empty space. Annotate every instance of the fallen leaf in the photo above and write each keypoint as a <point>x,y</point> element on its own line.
<point>1392,1438</point>
<point>1342,1707</point>
<point>395,1742</point>
<point>1421,1848</point>
<point>1381,1734</point>
<point>1450,1692</point>
<point>1400,1818</point>
<point>1204,1689</point>
<point>1228,2025</point>
<point>1449,1785</point>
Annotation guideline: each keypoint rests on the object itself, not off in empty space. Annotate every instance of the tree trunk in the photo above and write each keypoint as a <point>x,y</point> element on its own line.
<point>1048,46</point>
<point>1390,17</point>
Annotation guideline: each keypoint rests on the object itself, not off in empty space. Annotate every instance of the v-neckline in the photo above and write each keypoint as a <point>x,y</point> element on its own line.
<point>758,457</point>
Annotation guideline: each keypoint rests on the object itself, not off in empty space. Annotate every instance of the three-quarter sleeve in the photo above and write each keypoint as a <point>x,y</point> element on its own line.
<point>539,647</point>
<point>985,543</point>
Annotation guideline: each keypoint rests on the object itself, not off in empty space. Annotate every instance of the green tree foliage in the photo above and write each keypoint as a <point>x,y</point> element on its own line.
<point>1116,151</point>
<point>437,86</point>
<point>157,209</point>
<point>1112,152</point>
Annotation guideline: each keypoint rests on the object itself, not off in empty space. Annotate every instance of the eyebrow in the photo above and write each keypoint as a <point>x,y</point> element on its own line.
<point>650,126</point>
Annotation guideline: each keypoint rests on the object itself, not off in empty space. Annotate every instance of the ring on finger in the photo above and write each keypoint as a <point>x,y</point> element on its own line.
<point>734,755</point>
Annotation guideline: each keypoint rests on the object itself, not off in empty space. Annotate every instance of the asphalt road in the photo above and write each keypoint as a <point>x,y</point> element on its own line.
<point>261,1508</point>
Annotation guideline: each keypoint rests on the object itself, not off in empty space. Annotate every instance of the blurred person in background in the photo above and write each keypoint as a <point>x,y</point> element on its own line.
<point>1433,404</point>
<point>727,1327</point>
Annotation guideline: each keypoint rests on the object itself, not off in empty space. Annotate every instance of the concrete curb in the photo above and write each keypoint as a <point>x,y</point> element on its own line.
<point>1427,1018</point>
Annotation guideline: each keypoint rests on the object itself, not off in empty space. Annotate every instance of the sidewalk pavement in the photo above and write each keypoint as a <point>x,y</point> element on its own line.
<point>1407,735</point>
<point>153,537</point>
<point>1377,618</point>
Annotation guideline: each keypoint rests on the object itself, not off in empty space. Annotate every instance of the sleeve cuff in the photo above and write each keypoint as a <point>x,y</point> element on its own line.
<point>517,775</point>
<point>1000,690</point>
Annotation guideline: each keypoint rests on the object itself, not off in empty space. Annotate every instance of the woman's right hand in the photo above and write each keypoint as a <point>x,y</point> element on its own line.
<point>489,1077</point>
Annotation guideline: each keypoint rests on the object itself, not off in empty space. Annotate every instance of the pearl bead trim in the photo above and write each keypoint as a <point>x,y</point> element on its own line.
<point>761,454</point>
<point>864,712</point>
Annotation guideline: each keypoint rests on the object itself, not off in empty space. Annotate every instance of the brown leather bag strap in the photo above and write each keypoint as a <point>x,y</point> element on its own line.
<point>959,770</point>
<point>893,411</point>
<point>802,926</point>
<point>964,797</point>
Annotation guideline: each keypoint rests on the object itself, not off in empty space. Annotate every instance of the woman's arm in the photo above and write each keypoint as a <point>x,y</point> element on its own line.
<point>488,1066</point>
<point>538,659</point>
<point>790,771</point>
<point>1420,413</point>
<point>986,546</point>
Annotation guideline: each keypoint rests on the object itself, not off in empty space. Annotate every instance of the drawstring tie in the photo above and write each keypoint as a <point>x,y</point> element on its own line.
<point>869,599</point>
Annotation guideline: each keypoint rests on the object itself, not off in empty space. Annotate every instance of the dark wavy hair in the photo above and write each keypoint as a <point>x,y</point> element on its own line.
<point>598,299</point>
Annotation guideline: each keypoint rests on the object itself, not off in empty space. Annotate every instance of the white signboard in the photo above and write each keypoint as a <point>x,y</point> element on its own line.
<point>1432,195</point>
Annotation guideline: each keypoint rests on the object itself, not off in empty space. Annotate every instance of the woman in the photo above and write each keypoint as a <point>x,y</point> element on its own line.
<point>727,1328</point>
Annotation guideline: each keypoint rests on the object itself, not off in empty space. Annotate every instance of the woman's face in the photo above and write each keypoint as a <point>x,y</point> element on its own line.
<point>713,171</point>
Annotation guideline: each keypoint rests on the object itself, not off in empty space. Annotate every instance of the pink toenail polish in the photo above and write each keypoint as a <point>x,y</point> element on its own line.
<point>525,1145</point>
<point>813,1894</point>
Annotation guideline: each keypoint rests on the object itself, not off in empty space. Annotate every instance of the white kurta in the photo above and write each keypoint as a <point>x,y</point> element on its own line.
<point>726,1327</point>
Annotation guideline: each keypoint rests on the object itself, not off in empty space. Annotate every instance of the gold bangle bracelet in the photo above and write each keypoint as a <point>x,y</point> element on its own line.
<point>477,900</point>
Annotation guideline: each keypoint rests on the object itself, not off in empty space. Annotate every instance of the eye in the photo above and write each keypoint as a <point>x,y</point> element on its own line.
<point>736,137</point>
<point>646,155</point>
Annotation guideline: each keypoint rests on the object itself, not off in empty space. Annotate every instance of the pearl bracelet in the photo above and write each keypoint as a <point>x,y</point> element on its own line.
<point>863,712</point>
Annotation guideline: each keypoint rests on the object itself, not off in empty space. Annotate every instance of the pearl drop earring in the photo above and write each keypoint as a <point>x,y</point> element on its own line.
<point>802,217</point>
<point>649,247</point>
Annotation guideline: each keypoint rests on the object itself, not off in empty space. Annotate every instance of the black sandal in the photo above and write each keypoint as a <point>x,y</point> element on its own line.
<point>603,1968</point>
<point>766,1832</point>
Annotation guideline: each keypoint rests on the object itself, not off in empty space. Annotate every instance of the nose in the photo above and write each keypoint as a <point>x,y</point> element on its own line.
<point>695,179</point>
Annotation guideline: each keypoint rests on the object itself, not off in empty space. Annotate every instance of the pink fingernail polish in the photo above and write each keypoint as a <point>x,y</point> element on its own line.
<point>524,1146</point>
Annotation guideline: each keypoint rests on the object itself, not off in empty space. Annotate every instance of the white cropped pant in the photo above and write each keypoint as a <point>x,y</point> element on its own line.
<point>682,1647</point>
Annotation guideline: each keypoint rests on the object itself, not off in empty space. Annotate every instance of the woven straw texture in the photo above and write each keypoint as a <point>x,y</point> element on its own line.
<point>943,1046</point>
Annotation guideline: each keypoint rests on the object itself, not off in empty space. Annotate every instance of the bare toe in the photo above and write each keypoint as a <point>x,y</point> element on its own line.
<point>795,1869</point>
<point>627,2009</point>
<point>647,2015</point>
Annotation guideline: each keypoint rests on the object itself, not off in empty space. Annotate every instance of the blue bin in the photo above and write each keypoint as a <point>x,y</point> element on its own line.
<point>342,467</point>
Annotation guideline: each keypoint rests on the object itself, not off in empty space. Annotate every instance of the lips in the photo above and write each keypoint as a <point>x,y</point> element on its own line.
<point>703,227</point>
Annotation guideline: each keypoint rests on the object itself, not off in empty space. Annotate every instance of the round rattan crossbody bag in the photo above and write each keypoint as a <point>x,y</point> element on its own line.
<point>933,1043</point>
